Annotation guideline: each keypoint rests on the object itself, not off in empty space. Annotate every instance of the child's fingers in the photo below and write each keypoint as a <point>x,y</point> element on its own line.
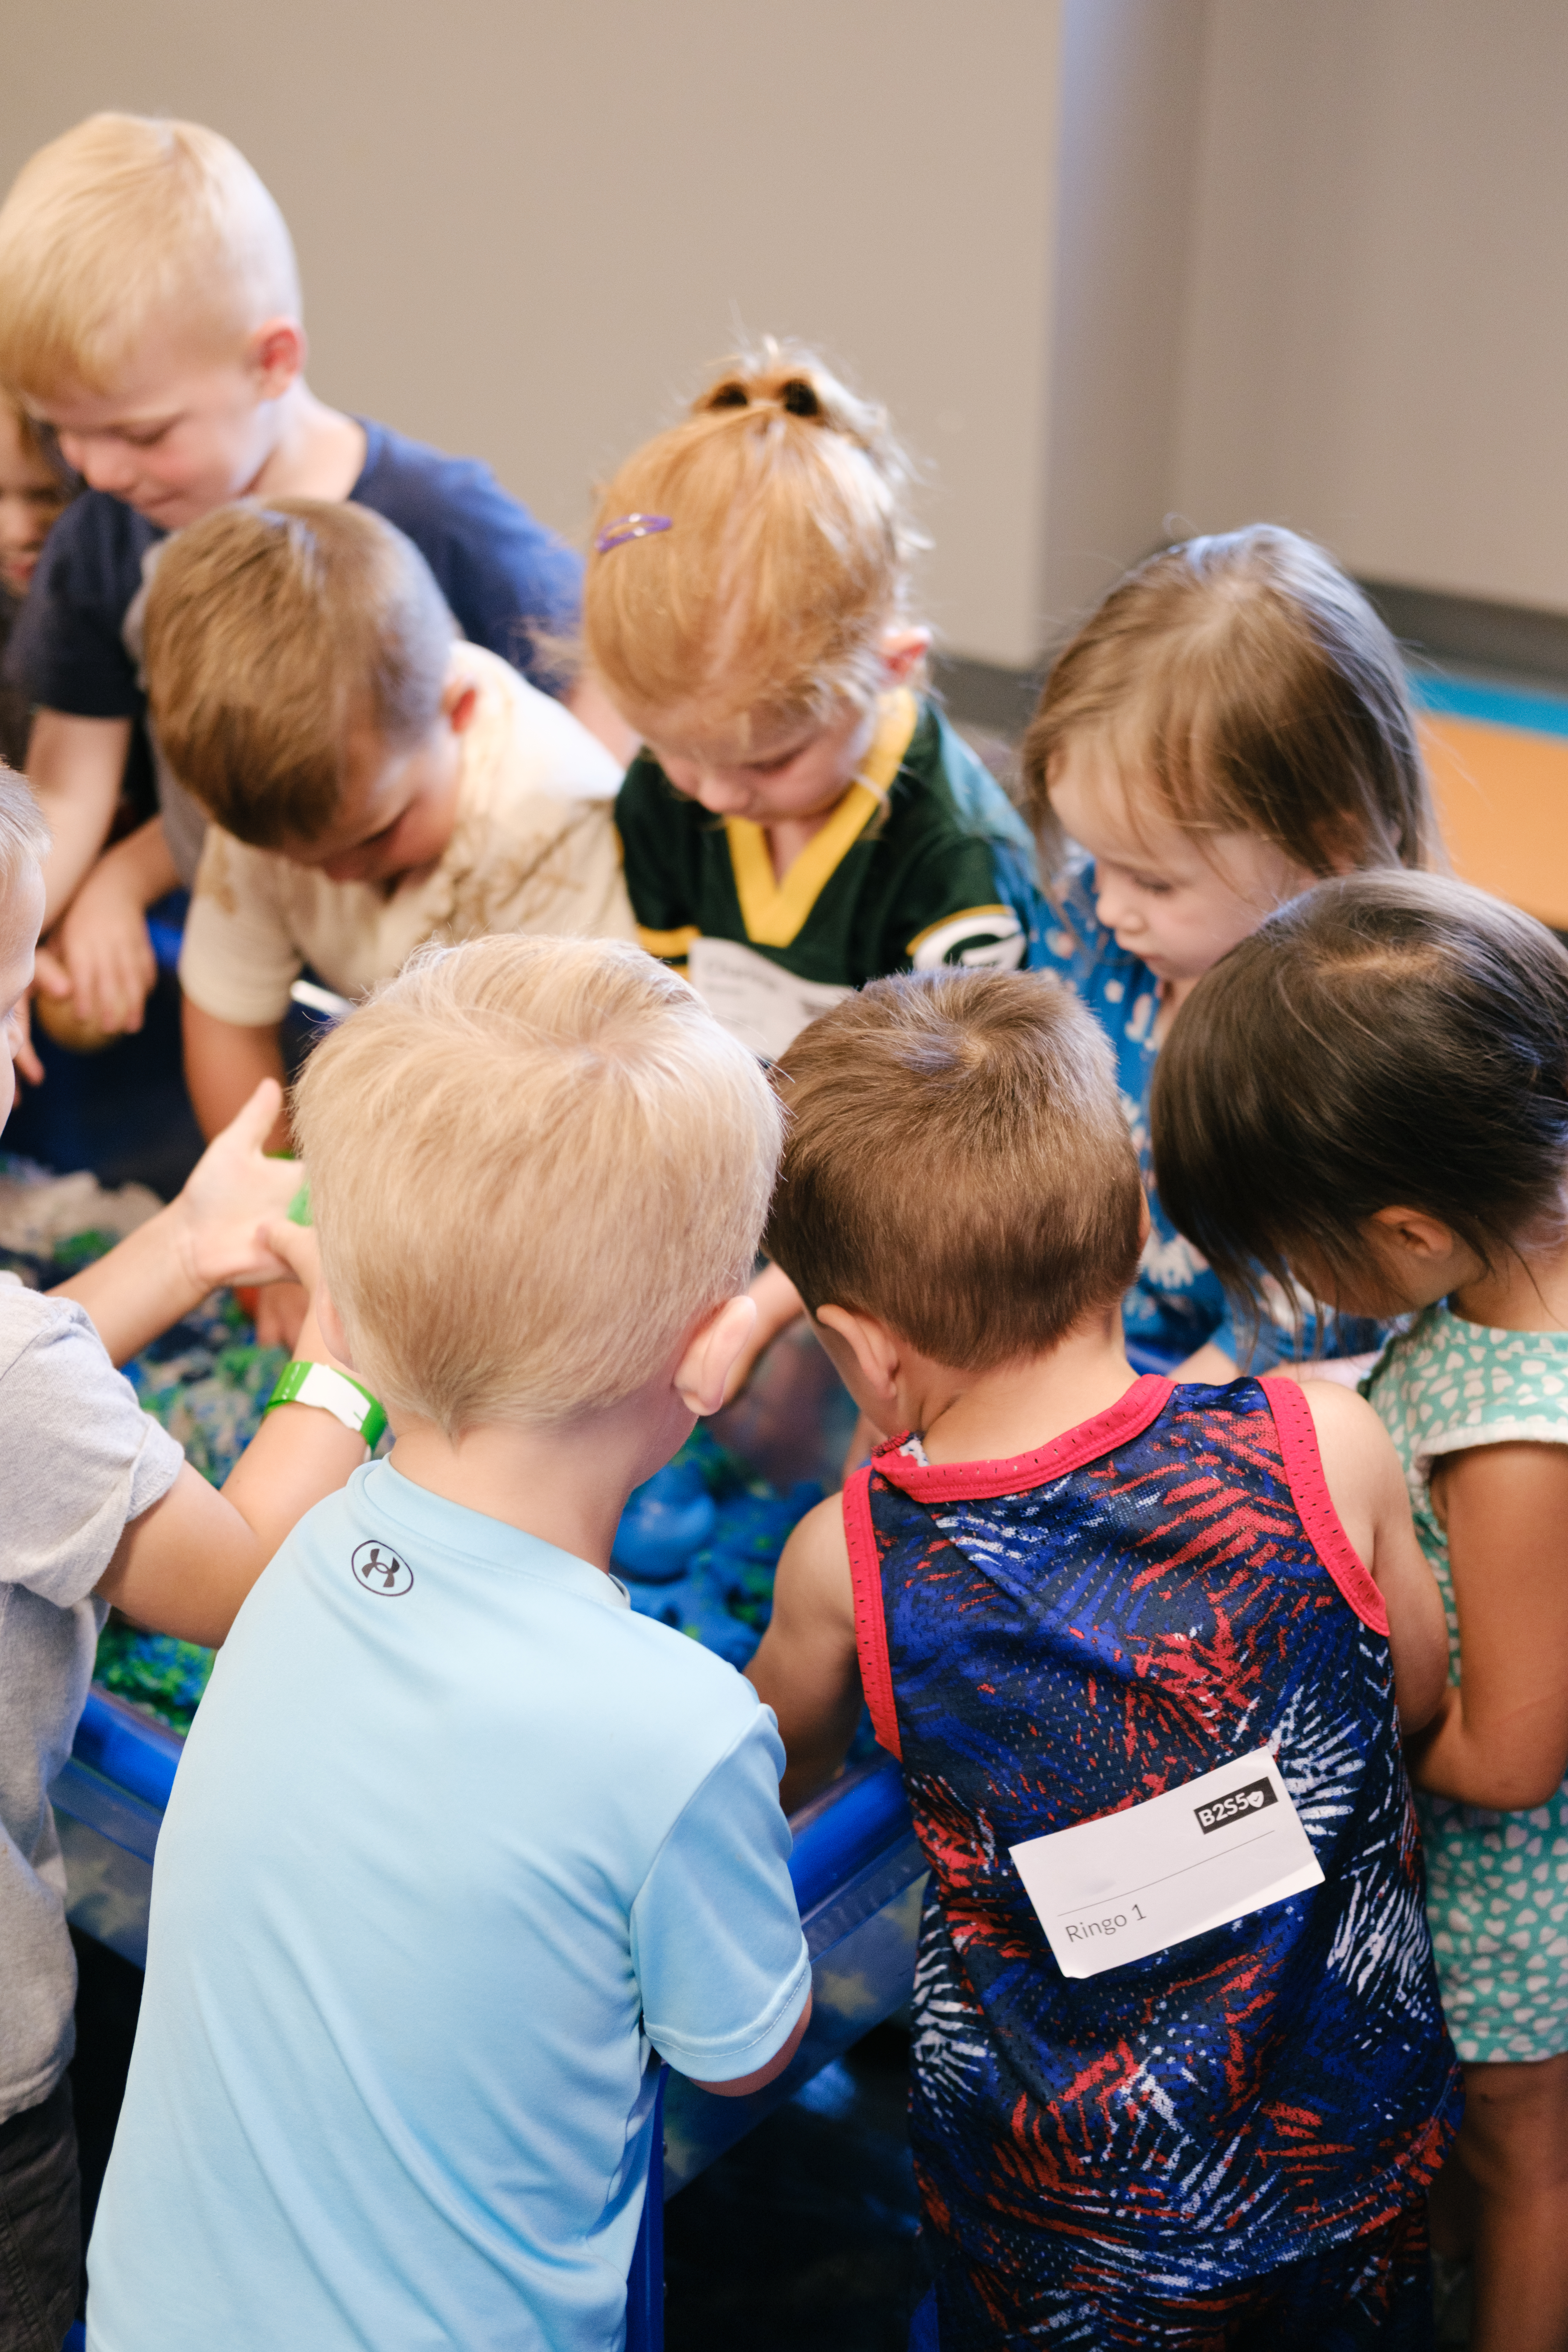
<point>250,1127</point>
<point>297,1247</point>
<point>50,975</point>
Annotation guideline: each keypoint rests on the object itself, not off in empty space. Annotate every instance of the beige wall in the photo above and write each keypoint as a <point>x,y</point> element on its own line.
<point>526,228</point>
<point>1119,266</point>
<point>1127,159</point>
<point>1377,317</point>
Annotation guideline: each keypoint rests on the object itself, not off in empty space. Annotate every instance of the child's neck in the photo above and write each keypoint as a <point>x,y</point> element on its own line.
<point>1016,1408</point>
<point>1524,1294</point>
<point>317,452</point>
<point>787,836</point>
<point>566,1484</point>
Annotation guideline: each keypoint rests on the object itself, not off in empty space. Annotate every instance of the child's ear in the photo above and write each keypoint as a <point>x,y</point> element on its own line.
<point>903,650</point>
<point>459,701</point>
<point>711,1354</point>
<point>876,1351</point>
<point>277,354</point>
<point>1414,1232</point>
<point>331,1325</point>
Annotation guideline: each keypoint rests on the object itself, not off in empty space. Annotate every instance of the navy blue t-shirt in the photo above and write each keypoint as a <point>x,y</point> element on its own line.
<point>507,579</point>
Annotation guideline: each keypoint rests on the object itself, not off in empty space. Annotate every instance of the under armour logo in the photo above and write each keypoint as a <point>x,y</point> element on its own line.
<point>380,1571</point>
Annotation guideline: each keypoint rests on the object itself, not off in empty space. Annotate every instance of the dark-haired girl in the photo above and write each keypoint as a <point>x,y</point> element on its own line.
<point>1368,1097</point>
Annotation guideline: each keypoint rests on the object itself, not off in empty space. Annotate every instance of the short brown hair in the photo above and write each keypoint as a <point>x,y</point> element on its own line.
<point>957,1163</point>
<point>1385,1041</point>
<point>269,631</point>
<point>124,224</point>
<point>535,1165</point>
<point>1256,687</point>
<point>786,558</point>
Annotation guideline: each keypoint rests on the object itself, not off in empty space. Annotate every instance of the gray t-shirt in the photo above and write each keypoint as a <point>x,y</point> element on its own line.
<point>83,1459</point>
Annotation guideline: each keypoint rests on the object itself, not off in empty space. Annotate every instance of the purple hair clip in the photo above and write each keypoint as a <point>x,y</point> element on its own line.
<point>632,526</point>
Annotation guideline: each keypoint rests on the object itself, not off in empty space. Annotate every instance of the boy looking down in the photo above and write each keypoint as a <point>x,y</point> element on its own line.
<point>149,313</point>
<point>1181,2072</point>
<point>458,1839</point>
<point>371,783</point>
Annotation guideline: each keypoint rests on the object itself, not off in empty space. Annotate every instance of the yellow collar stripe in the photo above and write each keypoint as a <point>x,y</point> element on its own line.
<point>775,911</point>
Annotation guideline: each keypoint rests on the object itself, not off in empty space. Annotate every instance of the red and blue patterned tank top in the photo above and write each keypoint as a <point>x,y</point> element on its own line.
<point>1055,1637</point>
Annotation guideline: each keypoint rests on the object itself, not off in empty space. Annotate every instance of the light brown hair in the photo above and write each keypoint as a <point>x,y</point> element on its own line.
<point>535,1166</point>
<point>269,632</point>
<point>786,557</point>
<point>957,1164</point>
<point>1253,683</point>
<point>127,224</point>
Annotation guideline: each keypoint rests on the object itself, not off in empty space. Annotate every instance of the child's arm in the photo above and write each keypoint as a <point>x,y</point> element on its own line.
<point>74,766</point>
<point>224,1064</point>
<point>1366,1486</point>
<point>210,1233</point>
<point>1501,1738</point>
<point>186,1564</point>
<point>101,954</point>
<point>807,1668</point>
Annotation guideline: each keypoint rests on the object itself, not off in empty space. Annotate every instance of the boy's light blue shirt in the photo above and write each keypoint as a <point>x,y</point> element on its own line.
<point>452,1823</point>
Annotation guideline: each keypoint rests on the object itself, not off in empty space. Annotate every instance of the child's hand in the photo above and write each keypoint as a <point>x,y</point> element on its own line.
<point>235,1199</point>
<point>102,942</point>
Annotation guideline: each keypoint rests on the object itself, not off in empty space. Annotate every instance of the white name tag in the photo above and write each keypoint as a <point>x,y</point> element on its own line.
<point>1137,1882</point>
<point>757,1002</point>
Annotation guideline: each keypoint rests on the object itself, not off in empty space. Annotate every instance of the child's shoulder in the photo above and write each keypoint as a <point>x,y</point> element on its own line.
<point>1447,1383</point>
<point>31,1318</point>
<point>431,495</point>
<point>949,783</point>
<point>525,741</point>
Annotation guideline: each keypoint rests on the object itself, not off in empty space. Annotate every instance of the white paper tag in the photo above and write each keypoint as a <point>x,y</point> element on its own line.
<point>757,1002</point>
<point>1137,1882</point>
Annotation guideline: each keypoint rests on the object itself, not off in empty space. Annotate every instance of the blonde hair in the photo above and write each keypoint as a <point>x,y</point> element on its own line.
<point>786,557</point>
<point>24,835</point>
<point>271,630</point>
<point>535,1165</point>
<point>123,223</point>
<point>1253,682</point>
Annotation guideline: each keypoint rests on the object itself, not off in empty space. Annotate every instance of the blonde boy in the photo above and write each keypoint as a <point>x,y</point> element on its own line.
<point>408,1956</point>
<point>372,783</point>
<point>150,312</point>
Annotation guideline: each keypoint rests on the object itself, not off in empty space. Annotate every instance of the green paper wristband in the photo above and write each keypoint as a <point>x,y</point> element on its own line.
<point>334,1393</point>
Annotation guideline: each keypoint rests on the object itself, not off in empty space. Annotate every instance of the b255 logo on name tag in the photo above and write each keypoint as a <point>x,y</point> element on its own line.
<point>1235,1806</point>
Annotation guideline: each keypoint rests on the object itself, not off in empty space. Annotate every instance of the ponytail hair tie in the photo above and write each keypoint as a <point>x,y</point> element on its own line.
<point>631,526</point>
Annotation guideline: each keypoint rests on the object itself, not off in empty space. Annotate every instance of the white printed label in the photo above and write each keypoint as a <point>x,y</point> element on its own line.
<point>1137,1882</point>
<point>757,1002</point>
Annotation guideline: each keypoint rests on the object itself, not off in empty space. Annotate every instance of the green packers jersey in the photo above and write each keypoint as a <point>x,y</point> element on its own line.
<point>923,862</point>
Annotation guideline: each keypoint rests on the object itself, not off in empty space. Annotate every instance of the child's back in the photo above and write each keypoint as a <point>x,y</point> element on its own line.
<point>1210,2080</point>
<point>1159,1591</point>
<point>440,1771</point>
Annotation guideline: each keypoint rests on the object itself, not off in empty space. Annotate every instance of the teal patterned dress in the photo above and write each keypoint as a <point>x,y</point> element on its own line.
<point>1497,1884</point>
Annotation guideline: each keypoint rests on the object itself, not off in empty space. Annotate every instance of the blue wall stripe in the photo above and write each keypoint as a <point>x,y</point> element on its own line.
<point>1495,706</point>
